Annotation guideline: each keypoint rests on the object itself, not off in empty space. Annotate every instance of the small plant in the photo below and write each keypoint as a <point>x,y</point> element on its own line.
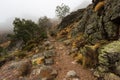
<point>1,49</point>
<point>29,47</point>
<point>20,54</point>
<point>43,35</point>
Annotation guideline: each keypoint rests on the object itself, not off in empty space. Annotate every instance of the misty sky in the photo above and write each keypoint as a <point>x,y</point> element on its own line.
<point>34,8</point>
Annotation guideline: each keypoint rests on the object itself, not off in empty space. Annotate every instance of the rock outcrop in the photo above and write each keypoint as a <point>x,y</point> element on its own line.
<point>109,57</point>
<point>99,26</point>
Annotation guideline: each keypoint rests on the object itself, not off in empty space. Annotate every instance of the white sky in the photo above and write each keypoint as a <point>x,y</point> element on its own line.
<point>36,8</point>
<point>33,8</point>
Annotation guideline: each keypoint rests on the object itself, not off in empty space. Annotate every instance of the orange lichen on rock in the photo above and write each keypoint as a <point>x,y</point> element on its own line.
<point>76,41</point>
<point>78,58</point>
<point>99,6</point>
<point>89,57</point>
<point>38,60</point>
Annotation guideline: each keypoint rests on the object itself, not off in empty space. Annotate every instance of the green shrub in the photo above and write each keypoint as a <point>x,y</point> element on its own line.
<point>1,49</point>
<point>29,47</point>
<point>43,35</point>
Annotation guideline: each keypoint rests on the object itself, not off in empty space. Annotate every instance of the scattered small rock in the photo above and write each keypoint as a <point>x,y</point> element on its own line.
<point>37,55</point>
<point>35,72</point>
<point>47,43</point>
<point>51,47</point>
<point>44,73</point>
<point>48,54</point>
<point>49,61</point>
<point>47,73</point>
<point>24,67</point>
<point>75,79</point>
<point>71,73</point>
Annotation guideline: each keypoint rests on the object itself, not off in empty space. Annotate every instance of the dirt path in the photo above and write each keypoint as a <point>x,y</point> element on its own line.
<point>64,64</point>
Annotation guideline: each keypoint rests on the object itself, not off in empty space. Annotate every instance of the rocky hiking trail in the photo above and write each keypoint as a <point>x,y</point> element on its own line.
<point>63,64</point>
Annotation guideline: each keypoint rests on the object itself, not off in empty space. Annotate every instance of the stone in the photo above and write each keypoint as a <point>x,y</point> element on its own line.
<point>47,43</point>
<point>111,29</point>
<point>22,67</point>
<point>51,47</point>
<point>98,74</point>
<point>103,68</point>
<point>49,53</point>
<point>48,73</point>
<point>71,74</point>
<point>54,72</point>
<point>75,79</point>
<point>44,73</point>
<point>117,70</point>
<point>49,61</point>
<point>109,55</point>
<point>36,72</point>
<point>111,76</point>
<point>37,55</point>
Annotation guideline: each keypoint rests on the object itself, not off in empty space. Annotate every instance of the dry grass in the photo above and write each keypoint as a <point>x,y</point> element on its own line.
<point>99,6</point>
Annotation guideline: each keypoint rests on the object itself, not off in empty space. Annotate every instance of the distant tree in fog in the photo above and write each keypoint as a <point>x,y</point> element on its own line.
<point>62,10</point>
<point>44,24</point>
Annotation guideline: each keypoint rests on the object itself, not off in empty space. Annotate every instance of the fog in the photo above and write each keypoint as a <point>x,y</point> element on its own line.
<point>32,9</point>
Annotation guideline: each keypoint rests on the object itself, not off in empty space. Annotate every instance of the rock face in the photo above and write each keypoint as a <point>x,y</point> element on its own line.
<point>74,16</point>
<point>95,27</point>
<point>109,57</point>
<point>99,25</point>
<point>71,75</point>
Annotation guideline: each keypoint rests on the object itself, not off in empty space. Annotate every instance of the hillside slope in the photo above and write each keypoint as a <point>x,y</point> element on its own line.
<point>86,47</point>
